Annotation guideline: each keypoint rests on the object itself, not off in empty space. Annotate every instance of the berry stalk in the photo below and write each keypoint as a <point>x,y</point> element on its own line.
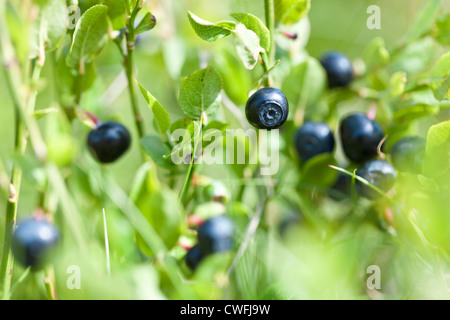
<point>130,72</point>
<point>24,122</point>
<point>269,10</point>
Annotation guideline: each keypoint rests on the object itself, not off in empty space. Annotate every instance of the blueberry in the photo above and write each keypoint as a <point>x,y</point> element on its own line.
<point>408,153</point>
<point>216,235</point>
<point>338,68</point>
<point>108,141</point>
<point>193,257</point>
<point>34,242</point>
<point>360,137</point>
<point>313,138</point>
<point>379,173</point>
<point>267,108</point>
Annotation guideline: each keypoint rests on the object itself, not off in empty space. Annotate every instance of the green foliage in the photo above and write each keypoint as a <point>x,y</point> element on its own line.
<point>209,31</point>
<point>147,23</point>
<point>90,37</point>
<point>247,46</point>
<point>291,11</point>
<point>117,11</point>
<point>437,150</point>
<point>254,24</point>
<point>199,93</point>
<point>161,115</point>
<point>293,239</point>
<point>49,28</point>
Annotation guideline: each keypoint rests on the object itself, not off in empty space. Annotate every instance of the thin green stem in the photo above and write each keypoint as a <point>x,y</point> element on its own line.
<point>23,121</point>
<point>129,67</point>
<point>269,11</point>
<point>8,59</point>
<point>49,283</point>
<point>18,282</point>
<point>191,164</point>
<point>129,70</point>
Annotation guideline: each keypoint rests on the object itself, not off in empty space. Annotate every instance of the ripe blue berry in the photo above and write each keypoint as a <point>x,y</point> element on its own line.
<point>312,139</point>
<point>407,154</point>
<point>379,173</point>
<point>216,235</point>
<point>360,137</point>
<point>108,141</point>
<point>193,257</point>
<point>34,242</point>
<point>338,68</point>
<point>267,108</point>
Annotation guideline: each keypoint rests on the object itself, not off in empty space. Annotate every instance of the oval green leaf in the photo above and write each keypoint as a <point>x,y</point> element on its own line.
<point>90,37</point>
<point>199,92</point>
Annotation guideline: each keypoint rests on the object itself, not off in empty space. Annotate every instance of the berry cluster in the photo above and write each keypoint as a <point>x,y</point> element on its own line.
<point>361,139</point>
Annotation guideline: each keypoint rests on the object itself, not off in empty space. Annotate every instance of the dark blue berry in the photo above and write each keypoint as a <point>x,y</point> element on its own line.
<point>379,173</point>
<point>34,242</point>
<point>312,139</point>
<point>108,141</point>
<point>338,68</point>
<point>193,257</point>
<point>408,153</point>
<point>216,235</point>
<point>360,137</point>
<point>267,108</point>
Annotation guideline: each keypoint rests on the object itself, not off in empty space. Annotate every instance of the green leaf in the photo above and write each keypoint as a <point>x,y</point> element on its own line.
<point>209,31</point>
<point>376,54</point>
<point>117,11</point>
<point>156,149</point>
<point>415,58</point>
<point>209,209</point>
<point>441,72</point>
<point>237,81</point>
<point>186,124</point>
<point>418,104</point>
<point>43,112</point>
<point>247,46</point>
<point>437,151</point>
<point>442,92</point>
<point>305,84</point>
<point>397,84</point>
<point>443,29</point>
<point>253,23</point>
<point>163,212</point>
<point>316,171</point>
<point>67,77</point>
<point>291,11</point>
<point>199,92</point>
<point>424,21</point>
<point>50,27</point>
<point>161,115</point>
<point>90,37</point>
<point>147,23</point>
<point>218,125</point>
